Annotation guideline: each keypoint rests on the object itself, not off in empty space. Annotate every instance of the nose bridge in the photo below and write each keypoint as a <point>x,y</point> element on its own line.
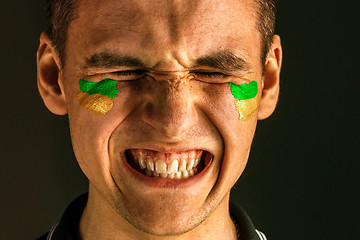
<point>173,76</point>
<point>170,108</point>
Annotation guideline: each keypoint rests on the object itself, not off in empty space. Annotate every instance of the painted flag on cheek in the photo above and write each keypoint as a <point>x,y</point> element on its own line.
<point>246,101</point>
<point>97,97</point>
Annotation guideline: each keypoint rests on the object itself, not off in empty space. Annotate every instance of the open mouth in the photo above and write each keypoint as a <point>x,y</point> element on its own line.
<point>179,165</point>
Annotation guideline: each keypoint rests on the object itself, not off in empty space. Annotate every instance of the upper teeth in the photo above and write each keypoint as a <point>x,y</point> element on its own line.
<point>173,166</point>
<point>175,169</point>
<point>160,166</point>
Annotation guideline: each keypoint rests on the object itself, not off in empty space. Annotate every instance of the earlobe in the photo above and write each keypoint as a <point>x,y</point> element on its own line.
<point>48,77</point>
<point>271,79</point>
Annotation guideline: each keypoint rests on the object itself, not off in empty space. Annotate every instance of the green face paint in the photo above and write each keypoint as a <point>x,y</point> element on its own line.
<point>97,96</point>
<point>244,91</point>
<point>246,101</point>
<point>106,87</point>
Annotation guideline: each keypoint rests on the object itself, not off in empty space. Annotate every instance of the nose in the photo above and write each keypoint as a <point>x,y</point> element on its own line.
<point>170,107</point>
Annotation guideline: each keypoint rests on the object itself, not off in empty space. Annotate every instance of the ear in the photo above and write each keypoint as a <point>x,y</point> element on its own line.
<point>271,79</point>
<point>49,76</point>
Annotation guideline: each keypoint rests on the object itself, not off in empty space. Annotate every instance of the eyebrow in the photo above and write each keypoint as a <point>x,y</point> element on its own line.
<point>111,60</point>
<point>225,61</point>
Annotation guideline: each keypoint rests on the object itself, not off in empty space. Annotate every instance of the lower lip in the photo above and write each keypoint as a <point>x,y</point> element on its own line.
<point>157,182</point>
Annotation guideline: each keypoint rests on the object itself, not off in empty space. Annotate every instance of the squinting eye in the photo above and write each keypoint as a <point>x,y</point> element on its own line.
<point>130,73</point>
<point>211,74</point>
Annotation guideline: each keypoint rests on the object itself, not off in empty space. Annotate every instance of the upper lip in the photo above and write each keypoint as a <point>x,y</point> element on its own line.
<point>170,149</point>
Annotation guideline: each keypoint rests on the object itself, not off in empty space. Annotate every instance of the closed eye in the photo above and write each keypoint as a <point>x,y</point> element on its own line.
<point>129,73</point>
<point>126,75</point>
<point>202,74</point>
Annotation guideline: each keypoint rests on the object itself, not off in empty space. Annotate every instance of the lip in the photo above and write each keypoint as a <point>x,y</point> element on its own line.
<point>157,182</point>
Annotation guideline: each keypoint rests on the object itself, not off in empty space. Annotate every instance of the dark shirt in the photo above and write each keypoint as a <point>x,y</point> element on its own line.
<point>68,227</point>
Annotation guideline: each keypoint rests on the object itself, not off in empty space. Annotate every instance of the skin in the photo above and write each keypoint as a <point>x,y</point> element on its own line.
<point>172,110</point>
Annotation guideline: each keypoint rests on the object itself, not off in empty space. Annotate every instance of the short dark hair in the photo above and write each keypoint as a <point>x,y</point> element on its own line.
<point>62,12</point>
<point>266,25</point>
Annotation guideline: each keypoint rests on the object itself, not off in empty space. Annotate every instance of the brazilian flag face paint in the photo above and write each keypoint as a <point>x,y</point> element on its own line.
<point>97,96</point>
<point>245,96</point>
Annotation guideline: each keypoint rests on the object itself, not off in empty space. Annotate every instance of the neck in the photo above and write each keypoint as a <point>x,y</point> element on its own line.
<point>100,221</point>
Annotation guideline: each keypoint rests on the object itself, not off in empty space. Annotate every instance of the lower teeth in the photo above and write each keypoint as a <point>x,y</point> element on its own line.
<point>178,175</point>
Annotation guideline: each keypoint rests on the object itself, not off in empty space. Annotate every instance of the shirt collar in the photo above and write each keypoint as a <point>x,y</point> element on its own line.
<point>68,227</point>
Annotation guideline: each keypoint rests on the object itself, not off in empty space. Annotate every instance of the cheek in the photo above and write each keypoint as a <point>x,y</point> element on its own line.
<point>224,112</point>
<point>93,119</point>
<point>218,103</point>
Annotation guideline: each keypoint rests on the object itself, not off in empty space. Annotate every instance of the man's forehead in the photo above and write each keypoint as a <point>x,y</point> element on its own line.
<point>163,8</point>
<point>162,27</point>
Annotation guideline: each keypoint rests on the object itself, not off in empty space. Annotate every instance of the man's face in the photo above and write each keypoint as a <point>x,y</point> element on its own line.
<point>167,108</point>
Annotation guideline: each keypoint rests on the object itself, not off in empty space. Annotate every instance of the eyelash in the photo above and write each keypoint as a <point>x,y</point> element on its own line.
<point>204,76</point>
<point>130,73</point>
<point>211,74</point>
<point>139,71</point>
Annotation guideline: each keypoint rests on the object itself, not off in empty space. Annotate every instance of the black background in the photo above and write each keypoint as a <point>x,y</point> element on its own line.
<point>302,178</point>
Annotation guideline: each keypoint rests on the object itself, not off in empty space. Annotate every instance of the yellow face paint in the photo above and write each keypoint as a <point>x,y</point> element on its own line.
<point>246,100</point>
<point>95,103</point>
<point>246,108</point>
<point>97,96</point>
